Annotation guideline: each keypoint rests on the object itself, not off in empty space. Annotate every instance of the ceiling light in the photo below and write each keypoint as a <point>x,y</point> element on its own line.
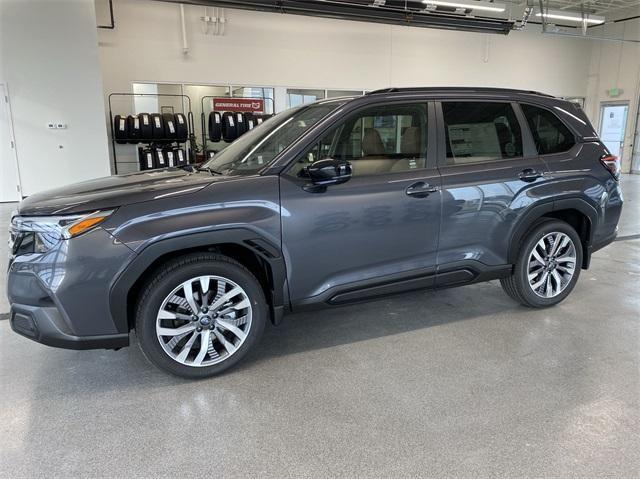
<point>470,5</point>
<point>570,17</point>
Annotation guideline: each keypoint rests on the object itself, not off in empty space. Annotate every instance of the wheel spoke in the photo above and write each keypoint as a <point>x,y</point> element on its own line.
<point>204,346</point>
<point>566,259</point>
<point>228,345</point>
<point>558,280</point>
<point>239,333</point>
<point>548,288</point>
<point>226,297</point>
<point>537,255</point>
<point>186,349</point>
<point>188,295</point>
<point>540,282</point>
<point>175,331</point>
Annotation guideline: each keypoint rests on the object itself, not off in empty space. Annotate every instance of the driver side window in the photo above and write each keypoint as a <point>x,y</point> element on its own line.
<point>376,141</point>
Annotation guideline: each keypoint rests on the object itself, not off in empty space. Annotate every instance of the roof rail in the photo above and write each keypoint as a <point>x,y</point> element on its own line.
<point>454,89</point>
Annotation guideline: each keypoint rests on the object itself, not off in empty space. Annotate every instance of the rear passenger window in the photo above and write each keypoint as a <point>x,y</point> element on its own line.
<point>379,140</point>
<point>480,131</point>
<point>549,133</point>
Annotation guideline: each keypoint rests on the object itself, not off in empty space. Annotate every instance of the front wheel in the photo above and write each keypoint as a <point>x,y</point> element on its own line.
<point>200,315</point>
<point>548,265</point>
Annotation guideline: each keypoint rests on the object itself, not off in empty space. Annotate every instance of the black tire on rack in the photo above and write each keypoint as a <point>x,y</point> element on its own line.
<point>182,127</point>
<point>241,125</point>
<point>120,129</point>
<point>147,159</point>
<point>160,156</point>
<point>180,157</point>
<point>157,126</point>
<point>170,130</point>
<point>133,125</point>
<point>229,129</point>
<point>215,126</point>
<point>170,157</point>
<point>146,129</point>
<point>249,121</point>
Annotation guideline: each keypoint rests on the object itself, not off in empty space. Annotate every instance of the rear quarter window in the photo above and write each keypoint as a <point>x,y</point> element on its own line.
<point>549,133</point>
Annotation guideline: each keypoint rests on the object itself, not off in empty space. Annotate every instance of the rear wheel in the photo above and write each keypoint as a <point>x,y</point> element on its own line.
<point>200,315</point>
<point>548,265</point>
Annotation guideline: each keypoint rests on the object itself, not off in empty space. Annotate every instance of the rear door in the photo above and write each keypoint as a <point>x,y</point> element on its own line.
<point>488,164</point>
<point>378,232</point>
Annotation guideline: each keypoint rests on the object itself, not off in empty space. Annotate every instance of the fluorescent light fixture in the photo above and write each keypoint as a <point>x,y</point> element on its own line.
<point>570,16</point>
<point>470,5</point>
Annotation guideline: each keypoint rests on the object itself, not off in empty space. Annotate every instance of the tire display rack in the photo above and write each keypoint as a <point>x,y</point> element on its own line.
<point>155,150</point>
<point>223,118</point>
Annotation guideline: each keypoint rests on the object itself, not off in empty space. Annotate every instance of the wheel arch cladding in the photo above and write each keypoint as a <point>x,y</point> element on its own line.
<point>575,211</point>
<point>258,255</point>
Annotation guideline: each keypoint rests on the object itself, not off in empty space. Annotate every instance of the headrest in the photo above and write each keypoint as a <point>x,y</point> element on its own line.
<point>372,143</point>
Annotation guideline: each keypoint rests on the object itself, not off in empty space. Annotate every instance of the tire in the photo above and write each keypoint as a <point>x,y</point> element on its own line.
<point>160,156</point>
<point>157,126</point>
<point>170,129</point>
<point>147,159</point>
<point>134,127</point>
<point>554,279</point>
<point>120,129</point>
<point>180,157</point>
<point>215,126</point>
<point>164,294</point>
<point>241,126</point>
<point>250,121</point>
<point>229,129</point>
<point>182,129</point>
<point>146,130</point>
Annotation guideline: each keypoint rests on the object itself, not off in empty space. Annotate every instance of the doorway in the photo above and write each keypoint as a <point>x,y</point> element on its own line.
<point>613,122</point>
<point>9,174</point>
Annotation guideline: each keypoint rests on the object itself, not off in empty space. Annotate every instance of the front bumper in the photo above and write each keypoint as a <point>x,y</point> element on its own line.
<point>45,325</point>
<point>61,298</point>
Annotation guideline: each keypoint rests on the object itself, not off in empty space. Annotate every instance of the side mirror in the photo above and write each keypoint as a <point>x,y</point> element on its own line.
<point>329,172</point>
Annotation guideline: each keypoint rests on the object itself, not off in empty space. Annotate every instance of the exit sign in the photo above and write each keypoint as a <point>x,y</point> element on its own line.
<point>614,92</point>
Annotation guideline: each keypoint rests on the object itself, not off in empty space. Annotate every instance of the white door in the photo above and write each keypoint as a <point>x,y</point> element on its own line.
<point>613,120</point>
<point>9,178</point>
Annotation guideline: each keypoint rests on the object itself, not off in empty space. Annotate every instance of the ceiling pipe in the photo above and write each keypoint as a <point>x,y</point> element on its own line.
<point>185,45</point>
<point>368,11</point>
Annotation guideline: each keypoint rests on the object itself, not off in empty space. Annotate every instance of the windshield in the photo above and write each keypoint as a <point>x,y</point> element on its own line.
<point>258,147</point>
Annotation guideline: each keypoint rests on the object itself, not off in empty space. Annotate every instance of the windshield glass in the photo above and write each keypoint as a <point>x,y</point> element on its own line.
<point>258,147</point>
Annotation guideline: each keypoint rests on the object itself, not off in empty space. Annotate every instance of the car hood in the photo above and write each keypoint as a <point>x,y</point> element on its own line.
<point>114,191</point>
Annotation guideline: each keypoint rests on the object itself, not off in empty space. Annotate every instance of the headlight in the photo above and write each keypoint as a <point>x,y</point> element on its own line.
<point>38,234</point>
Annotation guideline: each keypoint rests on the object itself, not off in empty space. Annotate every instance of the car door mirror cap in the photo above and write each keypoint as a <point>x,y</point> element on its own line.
<point>329,171</point>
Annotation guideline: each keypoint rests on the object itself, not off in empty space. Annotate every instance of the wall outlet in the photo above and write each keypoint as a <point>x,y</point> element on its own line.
<point>61,126</point>
<point>51,126</point>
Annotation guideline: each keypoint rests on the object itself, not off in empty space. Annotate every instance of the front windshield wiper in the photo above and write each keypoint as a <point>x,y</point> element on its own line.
<point>211,171</point>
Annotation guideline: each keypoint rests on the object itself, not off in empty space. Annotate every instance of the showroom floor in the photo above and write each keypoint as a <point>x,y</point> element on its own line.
<point>461,382</point>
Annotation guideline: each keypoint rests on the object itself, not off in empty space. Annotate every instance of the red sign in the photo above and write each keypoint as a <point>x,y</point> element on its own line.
<point>238,104</point>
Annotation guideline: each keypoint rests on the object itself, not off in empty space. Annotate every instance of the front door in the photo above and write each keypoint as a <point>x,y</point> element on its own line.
<point>378,232</point>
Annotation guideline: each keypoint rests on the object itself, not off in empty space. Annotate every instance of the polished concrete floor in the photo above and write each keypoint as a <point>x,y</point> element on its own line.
<point>456,383</point>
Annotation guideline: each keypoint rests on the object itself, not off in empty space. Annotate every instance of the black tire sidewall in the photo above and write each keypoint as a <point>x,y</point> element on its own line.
<point>521,270</point>
<point>171,278</point>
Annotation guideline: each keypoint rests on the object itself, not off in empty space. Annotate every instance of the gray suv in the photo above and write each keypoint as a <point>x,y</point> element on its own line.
<point>339,201</point>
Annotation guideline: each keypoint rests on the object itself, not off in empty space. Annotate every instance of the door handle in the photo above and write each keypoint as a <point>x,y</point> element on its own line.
<point>529,175</point>
<point>421,189</point>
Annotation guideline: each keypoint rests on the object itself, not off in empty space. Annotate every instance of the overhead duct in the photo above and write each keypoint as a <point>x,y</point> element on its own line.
<point>390,12</point>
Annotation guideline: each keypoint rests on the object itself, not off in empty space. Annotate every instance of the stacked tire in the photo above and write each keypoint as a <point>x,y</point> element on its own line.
<point>228,126</point>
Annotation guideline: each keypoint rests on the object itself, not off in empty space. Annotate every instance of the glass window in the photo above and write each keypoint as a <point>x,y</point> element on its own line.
<point>480,131</point>
<point>549,133</point>
<point>257,148</point>
<point>301,96</point>
<point>378,140</point>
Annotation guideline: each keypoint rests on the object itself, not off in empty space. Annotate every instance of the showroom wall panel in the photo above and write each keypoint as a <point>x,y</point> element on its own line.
<point>49,57</point>
<point>288,50</point>
<point>616,65</point>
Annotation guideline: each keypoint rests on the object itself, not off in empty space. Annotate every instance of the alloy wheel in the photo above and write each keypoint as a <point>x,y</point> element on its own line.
<point>552,264</point>
<point>204,321</point>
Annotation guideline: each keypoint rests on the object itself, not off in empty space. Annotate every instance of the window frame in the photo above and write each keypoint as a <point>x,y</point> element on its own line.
<point>528,146</point>
<point>547,109</point>
<point>431,134</point>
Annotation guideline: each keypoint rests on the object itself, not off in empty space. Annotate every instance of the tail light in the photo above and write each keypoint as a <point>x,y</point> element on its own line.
<point>611,163</point>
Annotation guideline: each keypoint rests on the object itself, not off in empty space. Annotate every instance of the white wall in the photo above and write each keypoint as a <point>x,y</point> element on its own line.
<point>616,65</point>
<point>287,50</point>
<point>49,59</point>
